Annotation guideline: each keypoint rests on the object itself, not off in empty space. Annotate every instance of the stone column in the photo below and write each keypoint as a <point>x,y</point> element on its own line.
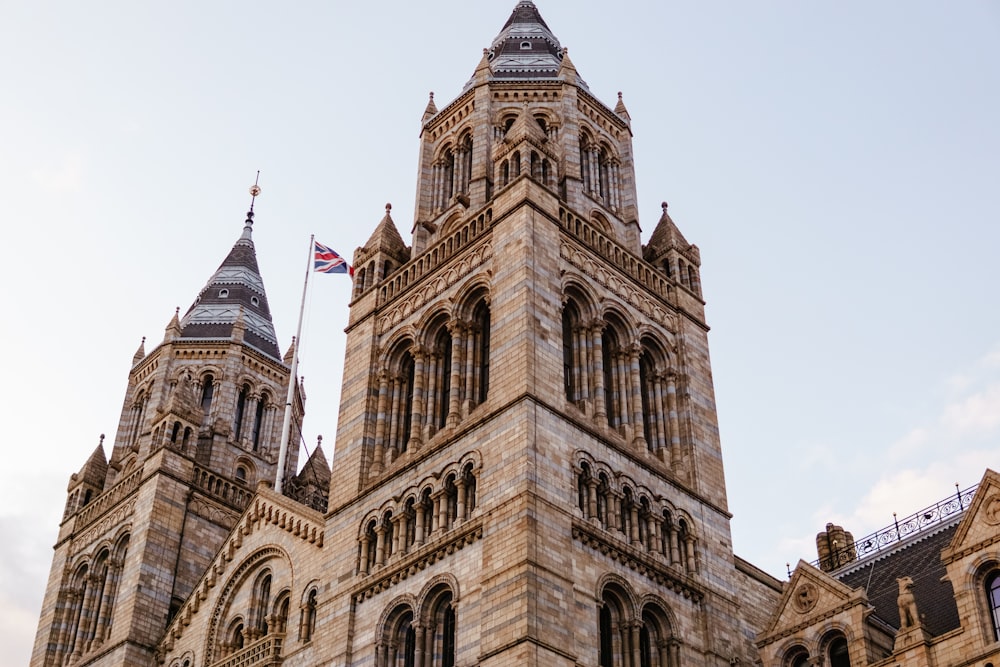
<point>675,552</point>
<point>457,347</point>
<point>395,421</point>
<point>380,545</point>
<point>692,566</point>
<point>655,525</point>
<point>460,505</point>
<point>365,545</point>
<point>380,419</point>
<point>639,438</point>
<point>634,528</point>
<point>470,370</point>
<point>600,410</point>
<point>419,529</point>
<point>419,637</point>
<point>417,409</point>
<point>636,658</point>
<point>675,431</point>
<point>592,500</point>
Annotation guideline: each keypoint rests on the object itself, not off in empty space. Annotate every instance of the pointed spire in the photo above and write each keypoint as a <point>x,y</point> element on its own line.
<point>621,110</point>
<point>173,328</point>
<point>567,70</point>
<point>140,354</point>
<point>236,287</point>
<point>317,469</point>
<point>665,235</point>
<point>483,71</point>
<point>525,48</point>
<point>386,238</point>
<point>290,354</point>
<point>431,109</point>
<point>95,469</point>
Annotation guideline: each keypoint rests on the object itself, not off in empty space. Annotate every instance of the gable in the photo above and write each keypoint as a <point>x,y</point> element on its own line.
<point>980,526</point>
<point>809,595</point>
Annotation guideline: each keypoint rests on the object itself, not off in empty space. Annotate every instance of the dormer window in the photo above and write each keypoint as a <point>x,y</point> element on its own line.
<point>223,294</point>
<point>254,301</point>
<point>525,46</point>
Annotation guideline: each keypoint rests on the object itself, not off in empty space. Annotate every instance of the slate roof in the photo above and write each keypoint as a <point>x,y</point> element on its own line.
<point>525,47</point>
<point>920,560</point>
<point>235,289</point>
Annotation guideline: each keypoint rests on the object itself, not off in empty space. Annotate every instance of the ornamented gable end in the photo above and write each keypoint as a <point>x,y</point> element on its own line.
<point>266,512</point>
<point>980,527</point>
<point>810,596</point>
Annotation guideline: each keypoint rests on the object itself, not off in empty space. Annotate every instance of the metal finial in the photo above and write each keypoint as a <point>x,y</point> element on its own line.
<point>319,441</point>
<point>254,190</point>
<point>102,439</point>
<point>388,207</point>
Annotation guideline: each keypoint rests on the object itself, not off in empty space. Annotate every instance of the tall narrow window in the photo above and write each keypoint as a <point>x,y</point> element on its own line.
<point>241,406</point>
<point>207,392</point>
<point>482,332</point>
<point>258,421</point>
<point>606,639</point>
<point>993,601</point>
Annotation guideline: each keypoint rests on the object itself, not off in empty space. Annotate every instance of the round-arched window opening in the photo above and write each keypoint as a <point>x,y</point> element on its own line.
<point>241,474</point>
<point>223,294</point>
<point>525,46</point>
<point>254,301</point>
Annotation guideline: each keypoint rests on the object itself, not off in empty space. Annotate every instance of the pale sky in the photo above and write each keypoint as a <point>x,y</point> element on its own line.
<point>837,164</point>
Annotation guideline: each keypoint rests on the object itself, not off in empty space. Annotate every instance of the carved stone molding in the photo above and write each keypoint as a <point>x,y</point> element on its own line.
<point>620,287</point>
<point>434,288</point>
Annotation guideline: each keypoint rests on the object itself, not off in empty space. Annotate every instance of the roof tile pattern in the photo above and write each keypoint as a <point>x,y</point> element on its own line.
<point>920,560</point>
<point>235,288</point>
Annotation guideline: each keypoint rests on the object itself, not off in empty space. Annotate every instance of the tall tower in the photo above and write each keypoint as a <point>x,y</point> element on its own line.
<point>199,429</point>
<point>528,466</point>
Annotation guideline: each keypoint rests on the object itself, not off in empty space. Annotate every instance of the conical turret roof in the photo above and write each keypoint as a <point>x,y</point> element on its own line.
<point>386,238</point>
<point>235,286</point>
<point>525,47</point>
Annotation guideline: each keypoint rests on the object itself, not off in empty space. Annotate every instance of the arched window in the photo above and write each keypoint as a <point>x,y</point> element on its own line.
<point>838,653</point>
<point>309,617</point>
<point>261,604</point>
<point>614,625</point>
<point>440,617</point>
<point>614,387</point>
<point>481,350</point>
<point>235,635</point>
<point>398,644</point>
<point>207,392</point>
<point>438,385</point>
<point>656,639</point>
<point>798,656</point>
<point>993,601</point>
<point>241,474</point>
<point>280,613</point>
<point>572,352</point>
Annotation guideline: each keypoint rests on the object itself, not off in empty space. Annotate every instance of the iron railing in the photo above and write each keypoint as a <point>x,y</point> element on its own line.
<point>899,530</point>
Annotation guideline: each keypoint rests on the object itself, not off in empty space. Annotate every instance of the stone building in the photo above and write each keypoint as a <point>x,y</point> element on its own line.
<point>528,466</point>
<point>922,592</point>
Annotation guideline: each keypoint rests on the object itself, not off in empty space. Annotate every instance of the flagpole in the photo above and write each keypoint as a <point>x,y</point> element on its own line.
<point>286,425</point>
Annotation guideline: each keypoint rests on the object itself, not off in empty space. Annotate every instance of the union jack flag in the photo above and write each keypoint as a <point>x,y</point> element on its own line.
<point>327,261</point>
